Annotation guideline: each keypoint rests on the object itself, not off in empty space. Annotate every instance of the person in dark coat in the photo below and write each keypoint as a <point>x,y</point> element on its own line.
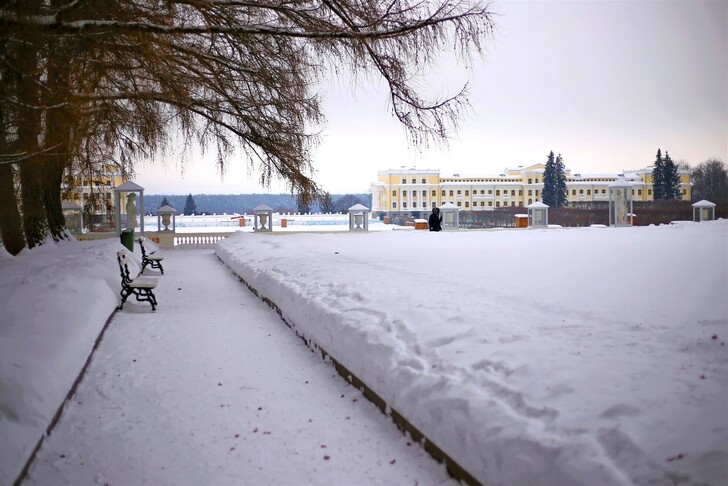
<point>435,220</point>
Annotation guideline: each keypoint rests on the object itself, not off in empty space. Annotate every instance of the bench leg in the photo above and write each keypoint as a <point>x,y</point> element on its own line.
<point>141,295</point>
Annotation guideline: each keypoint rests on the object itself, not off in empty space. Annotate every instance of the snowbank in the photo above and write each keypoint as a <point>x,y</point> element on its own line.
<point>581,356</point>
<point>54,301</point>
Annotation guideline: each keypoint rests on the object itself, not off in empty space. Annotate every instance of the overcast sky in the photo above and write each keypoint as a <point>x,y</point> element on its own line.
<point>605,83</point>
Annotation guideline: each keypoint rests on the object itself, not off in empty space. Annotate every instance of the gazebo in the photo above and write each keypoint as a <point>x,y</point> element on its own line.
<point>450,216</point>
<point>130,190</point>
<point>703,211</point>
<point>620,203</point>
<point>263,218</point>
<point>358,218</point>
<point>538,215</point>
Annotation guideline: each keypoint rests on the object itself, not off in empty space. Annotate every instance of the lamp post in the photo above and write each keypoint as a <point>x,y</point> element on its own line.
<point>538,215</point>
<point>263,218</point>
<point>703,211</point>
<point>620,203</point>
<point>359,218</point>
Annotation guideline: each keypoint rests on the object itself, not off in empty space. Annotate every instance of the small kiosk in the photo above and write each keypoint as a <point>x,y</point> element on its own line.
<point>703,211</point>
<point>450,216</point>
<point>538,215</point>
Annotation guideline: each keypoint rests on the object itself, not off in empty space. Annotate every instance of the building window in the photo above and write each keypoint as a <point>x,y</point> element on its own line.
<point>530,201</point>
<point>530,181</point>
<point>443,193</point>
<point>497,204</point>
<point>520,192</point>
<point>424,181</point>
<point>451,192</point>
<point>459,203</point>
<point>573,192</point>
<point>404,181</point>
<point>404,205</point>
<point>394,205</point>
<point>649,192</point>
<point>482,191</point>
<point>513,192</point>
<point>588,192</point>
<point>424,193</point>
<point>434,194</point>
<point>467,192</point>
<point>581,191</point>
<point>490,203</point>
<point>490,191</point>
<point>394,193</point>
<point>467,204</point>
<point>497,192</point>
<point>434,204</point>
<point>537,191</point>
<point>404,193</point>
<point>459,192</point>
<point>414,181</point>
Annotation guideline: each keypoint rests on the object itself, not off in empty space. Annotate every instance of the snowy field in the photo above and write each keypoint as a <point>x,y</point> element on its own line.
<point>579,356</point>
<point>565,356</point>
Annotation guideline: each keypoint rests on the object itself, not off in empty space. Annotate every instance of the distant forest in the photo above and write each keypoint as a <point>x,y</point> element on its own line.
<point>245,203</point>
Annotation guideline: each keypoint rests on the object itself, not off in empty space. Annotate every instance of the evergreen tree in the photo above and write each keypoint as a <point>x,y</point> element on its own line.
<point>164,202</point>
<point>327,203</point>
<point>671,179</point>
<point>560,184</point>
<point>190,206</point>
<point>548,194</point>
<point>303,203</point>
<point>658,177</point>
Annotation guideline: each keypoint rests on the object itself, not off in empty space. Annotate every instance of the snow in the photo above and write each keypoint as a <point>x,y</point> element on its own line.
<point>579,356</point>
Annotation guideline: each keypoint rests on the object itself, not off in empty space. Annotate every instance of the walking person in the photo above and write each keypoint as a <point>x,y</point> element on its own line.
<point>435,220</point>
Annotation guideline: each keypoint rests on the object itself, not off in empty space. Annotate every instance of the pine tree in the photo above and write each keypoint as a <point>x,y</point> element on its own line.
<point>164,202</point>
<point>671,179</point>
<point>327,203</point>
<point>303,204</point>
<point>658,177</point>
<point>548,194</point>
<point>190,206</point>
<point>560,185</point>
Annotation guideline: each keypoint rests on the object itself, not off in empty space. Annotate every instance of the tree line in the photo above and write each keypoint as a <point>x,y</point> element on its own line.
<point>89,83</point>
<point>709,180</point>
<point>245,203</point>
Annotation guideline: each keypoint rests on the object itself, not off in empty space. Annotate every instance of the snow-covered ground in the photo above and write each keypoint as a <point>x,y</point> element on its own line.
<point>561,356</point>
<point>579,356</point>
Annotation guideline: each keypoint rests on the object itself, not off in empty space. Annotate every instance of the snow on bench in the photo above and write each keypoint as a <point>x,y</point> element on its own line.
<point>154,259</point>
<point>141,287</point>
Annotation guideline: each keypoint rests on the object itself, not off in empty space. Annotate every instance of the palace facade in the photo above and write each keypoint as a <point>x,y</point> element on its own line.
<point>409,191</point>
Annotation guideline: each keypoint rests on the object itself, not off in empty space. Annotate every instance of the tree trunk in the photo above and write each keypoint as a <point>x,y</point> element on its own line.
<point>57,139</point>
<point>29,126</point>
<point>11,229</point>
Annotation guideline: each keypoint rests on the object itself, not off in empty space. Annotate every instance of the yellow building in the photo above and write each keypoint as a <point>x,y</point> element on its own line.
<point>94,193</point>
<point>413,192</point>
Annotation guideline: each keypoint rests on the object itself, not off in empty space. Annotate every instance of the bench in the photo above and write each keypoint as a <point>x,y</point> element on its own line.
<point>153,259</point>
<point>141,287</point>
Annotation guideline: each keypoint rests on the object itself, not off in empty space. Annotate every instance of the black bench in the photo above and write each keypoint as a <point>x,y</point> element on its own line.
<point>153,259</point>
<point>141,287</point>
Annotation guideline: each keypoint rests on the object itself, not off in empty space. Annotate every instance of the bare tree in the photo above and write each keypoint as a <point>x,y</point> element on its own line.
<point>710,182</point>
<point>227,74</point>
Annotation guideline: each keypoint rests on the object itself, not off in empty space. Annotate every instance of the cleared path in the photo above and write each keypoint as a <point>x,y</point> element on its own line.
<point>213,388</point>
